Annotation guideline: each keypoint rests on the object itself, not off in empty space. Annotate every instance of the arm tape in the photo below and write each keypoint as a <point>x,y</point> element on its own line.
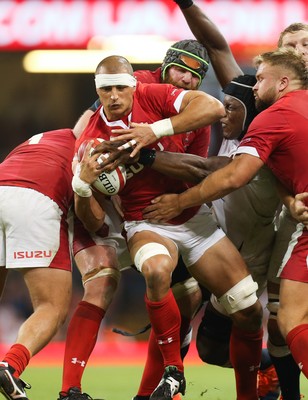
<point>162,128</point>
<point>81,187</point>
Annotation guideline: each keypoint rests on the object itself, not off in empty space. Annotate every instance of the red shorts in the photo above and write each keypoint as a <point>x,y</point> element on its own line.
<point>295,263</point>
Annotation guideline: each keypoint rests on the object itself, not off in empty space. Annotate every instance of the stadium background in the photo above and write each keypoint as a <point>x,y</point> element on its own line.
<point>34,102</point>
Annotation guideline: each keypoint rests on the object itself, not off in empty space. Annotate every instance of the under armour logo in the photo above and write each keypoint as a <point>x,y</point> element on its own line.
<point>300,365</point>
<point>254,367</point>
<point>76,361</point>
<point>168,340</point>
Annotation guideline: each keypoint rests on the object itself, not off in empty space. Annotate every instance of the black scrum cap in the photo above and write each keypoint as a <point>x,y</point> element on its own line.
<point>241,89</point>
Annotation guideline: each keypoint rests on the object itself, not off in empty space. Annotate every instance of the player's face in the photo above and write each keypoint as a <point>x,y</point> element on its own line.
<point>297,41</point>
<point>266,90</point>
<point>181,78</point>
<point>232,122</point>
<point>116,100</point>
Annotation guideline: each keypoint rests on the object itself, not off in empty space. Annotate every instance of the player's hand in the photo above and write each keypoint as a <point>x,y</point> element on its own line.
<point>115,155</point>
<point>298,208</point>
<point>163,208</point>
<point>88,166</point>
<point>136,137</point>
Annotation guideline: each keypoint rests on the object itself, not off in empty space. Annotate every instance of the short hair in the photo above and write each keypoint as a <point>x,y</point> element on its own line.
<point>115,64</point>
<point>288,59</point>
<point>295,27</point>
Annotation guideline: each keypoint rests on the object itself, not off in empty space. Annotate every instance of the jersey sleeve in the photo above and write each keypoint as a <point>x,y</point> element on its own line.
<point>164,98</point>
<point>200,143</point>
<point>265,134</point>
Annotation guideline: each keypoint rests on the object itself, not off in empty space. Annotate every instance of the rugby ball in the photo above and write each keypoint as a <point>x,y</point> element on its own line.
<point>108,183</point>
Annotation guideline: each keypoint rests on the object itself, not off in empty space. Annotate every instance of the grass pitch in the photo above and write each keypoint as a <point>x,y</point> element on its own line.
<point>204,382</point>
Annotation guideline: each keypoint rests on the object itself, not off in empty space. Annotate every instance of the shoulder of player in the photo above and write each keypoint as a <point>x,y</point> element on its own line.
<point>147,76</point>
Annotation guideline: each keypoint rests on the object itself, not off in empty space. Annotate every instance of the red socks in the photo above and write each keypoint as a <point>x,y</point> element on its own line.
<point>18,358</point>
<point>166,319</point>
<point>297,340</point>
<point>245,357</point>
<point>153,369</point>
<point>78,347</point>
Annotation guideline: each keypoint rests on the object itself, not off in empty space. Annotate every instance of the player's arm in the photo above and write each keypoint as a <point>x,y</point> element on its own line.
<point>207,33</point>
<point>218,184</point>
<point>296,205</point>
<point>86,206</point>
<point>84,119</point>
<point>197,109</point>
<point>186,167</point>
<point>82,123</point>
<point>298,208</point>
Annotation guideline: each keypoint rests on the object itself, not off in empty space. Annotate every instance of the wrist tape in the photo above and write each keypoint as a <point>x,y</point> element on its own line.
<point>81,187</point>
<point>162,128</point>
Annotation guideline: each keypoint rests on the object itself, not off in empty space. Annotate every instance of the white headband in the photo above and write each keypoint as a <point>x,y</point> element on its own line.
<point>102,80</point>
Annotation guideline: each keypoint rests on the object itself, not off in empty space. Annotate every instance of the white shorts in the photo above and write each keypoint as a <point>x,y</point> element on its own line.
<point>192,238</point>
<point>286,227</point>
<point>33,231</point>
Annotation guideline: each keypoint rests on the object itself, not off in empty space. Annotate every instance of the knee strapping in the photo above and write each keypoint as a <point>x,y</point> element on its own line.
<point>149,250</point>
<point>185,288</point>
<point>100,272</point>
<point>240,296</point>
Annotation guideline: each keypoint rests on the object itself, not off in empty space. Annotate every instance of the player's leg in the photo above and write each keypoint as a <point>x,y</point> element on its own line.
<point>156,257</point>
<point>236,294</point>
<point>293,320</point>
<point>46,271</point>
<point>98,267</point>
<point>287,370</point>
<point>189,298</point>
<point>50,293</point>
<point>213,337</point>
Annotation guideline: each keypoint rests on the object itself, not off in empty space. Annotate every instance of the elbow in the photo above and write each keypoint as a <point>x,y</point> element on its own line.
<point>221,112</point>
<point>234,183</point>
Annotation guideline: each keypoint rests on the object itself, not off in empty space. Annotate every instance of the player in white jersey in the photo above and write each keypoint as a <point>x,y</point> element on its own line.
<point>35,198</point>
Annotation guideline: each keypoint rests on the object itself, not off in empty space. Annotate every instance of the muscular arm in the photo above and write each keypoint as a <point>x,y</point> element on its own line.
<point>82,123</point>
<point>218,184</point>
<point>88,208</point>
<point>187,167</point>
<point>207,33</point>
<point>296,205</point>
<point>90,213</point>
<point>225,180</point>
<point>197,109</point>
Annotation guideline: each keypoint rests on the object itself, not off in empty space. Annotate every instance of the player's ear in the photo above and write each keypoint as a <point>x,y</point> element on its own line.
<point>284,83</point>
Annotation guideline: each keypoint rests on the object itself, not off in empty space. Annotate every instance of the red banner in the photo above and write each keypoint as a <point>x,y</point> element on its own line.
<point>58,24</point>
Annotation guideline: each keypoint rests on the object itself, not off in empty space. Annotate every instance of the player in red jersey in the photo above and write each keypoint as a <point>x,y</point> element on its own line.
<point>35,197</point>
<point>154,247</point>
<point>185,65</point>
<point>277,137</point>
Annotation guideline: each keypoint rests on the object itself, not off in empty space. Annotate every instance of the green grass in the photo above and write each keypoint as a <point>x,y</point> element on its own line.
<point>204,382</point>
